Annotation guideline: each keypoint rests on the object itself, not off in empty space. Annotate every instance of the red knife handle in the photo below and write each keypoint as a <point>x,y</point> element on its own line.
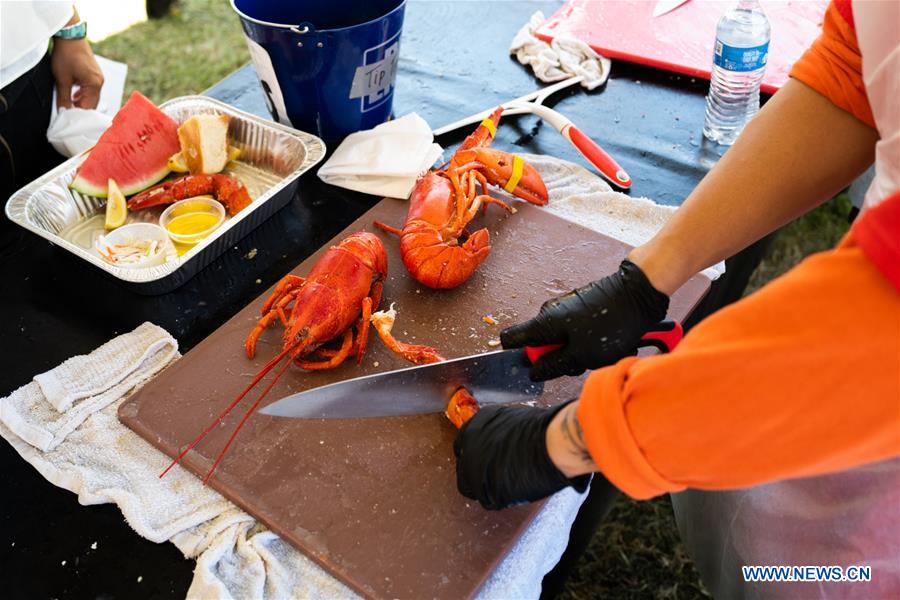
<point>598,157</point>
<point>664,336</point>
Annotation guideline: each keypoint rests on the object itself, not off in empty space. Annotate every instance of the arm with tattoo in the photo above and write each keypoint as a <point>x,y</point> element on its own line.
<point>565,443</point>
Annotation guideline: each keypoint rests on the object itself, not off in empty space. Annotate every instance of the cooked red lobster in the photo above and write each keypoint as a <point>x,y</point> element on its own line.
<point>338,295</point>
<point>227,190</point>
<point>443,202</point>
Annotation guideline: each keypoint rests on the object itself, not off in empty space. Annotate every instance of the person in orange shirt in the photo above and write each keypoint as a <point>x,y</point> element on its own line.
<point>798,380</point>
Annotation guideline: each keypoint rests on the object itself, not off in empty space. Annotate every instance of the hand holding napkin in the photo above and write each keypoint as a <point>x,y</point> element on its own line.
<point>74,130</point>
<point>384,161</point>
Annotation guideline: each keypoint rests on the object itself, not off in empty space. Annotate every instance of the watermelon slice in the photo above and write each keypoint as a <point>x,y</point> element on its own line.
<point>134,150</point>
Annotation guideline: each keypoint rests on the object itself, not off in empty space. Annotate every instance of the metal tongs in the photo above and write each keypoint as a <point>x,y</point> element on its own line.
<point>533,104</point>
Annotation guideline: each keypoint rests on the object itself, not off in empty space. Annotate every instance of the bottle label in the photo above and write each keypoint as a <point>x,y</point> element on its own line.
<point>732,58</point>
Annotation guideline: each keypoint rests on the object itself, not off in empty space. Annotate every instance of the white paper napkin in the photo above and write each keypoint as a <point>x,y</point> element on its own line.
<point>384,161</point>
<point>74,130</point>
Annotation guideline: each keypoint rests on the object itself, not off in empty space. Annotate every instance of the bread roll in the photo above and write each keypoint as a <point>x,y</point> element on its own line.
<point>204,143</point>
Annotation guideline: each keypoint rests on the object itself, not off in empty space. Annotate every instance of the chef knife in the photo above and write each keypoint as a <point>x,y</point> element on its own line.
<point>664,6</point>
<point>499,377</point>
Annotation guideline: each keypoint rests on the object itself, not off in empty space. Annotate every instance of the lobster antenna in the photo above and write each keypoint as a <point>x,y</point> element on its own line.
<point>244,420</point>
<point>262,373</point>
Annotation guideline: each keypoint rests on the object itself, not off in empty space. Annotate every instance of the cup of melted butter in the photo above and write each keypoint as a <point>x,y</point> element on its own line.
<point>190,220</point>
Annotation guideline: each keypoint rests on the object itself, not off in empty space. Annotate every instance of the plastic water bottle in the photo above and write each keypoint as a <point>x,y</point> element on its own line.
<point>739,61</point>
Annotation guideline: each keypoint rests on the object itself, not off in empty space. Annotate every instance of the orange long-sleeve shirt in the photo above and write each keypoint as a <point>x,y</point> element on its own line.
<point>801,378</point>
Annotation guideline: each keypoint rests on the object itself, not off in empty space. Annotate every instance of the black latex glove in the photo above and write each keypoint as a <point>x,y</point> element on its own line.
<point>502,460</point>
<point>599,323</point>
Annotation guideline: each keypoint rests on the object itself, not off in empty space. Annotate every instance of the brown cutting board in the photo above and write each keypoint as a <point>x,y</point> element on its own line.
<point>374,501</point>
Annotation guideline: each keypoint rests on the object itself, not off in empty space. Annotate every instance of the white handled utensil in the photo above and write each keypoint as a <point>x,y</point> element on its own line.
<point>537,96</point>
<point>591,150</point>
<point>533,104</point>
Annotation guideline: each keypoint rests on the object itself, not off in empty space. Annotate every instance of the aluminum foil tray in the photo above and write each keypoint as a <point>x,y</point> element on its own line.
<point>272,159</point>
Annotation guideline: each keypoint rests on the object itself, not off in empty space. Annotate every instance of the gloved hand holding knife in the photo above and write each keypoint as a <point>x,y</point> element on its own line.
<point>512,454</point>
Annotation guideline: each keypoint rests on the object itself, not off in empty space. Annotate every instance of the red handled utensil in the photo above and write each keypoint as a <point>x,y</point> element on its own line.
<point>591,150</point>
<point>533,104</point>
<point>664,336</point>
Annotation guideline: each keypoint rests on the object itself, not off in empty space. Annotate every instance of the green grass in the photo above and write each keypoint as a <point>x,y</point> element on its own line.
<point>198,44</point>
<point>637,552</point>
<point>815,231</point>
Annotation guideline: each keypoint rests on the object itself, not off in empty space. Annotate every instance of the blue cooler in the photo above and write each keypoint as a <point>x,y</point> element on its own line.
<point>325,66</point>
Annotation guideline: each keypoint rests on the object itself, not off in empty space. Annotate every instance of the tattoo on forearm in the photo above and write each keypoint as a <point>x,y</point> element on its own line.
<point>575,436</point>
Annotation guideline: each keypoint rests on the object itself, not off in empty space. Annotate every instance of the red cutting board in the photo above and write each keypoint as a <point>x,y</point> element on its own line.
<point>374,501</point>
<point>682,39</point>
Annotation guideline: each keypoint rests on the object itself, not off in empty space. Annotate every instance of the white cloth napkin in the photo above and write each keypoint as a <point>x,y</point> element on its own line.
<point>83,376</point>
<point>384,161</point>
<point>74,130</point>
<point>52,406</point>
<point>564,57</point>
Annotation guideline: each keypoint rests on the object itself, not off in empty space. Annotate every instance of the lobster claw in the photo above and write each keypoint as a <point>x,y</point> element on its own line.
<point>509,171</point>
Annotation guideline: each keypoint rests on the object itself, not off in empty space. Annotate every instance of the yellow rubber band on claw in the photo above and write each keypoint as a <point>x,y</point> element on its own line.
<point>517,167</point>
<point>492,129</point>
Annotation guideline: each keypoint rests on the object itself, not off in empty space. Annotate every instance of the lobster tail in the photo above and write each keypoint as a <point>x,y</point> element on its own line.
<point>438,264</point>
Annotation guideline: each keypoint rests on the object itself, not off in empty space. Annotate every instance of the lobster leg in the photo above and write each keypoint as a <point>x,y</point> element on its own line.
<point>387,228</point>
<point>363,329</point>
<point>485,199</point>
<point>369,303</point>
<point>261,325</point>
<point>286,285</point>
<point>334,361</point>
<point>414,353</point>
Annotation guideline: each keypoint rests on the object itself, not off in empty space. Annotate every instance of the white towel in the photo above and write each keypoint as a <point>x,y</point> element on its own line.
<point>103,461</point>
<point>46,410</point>
<point>384,161</point>
<point>84,376</point>
<point>580,196</point>
<point>562,58</point>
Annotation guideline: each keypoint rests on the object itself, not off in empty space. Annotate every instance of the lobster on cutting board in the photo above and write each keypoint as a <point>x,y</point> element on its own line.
<point>344,491</point>
<point>334,299</point>
<point>436,247</point>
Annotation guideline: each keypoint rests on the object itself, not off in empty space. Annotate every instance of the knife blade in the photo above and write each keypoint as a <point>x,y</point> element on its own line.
<point>664,6</point>
<point>499,377</point>
<point>494,378</point>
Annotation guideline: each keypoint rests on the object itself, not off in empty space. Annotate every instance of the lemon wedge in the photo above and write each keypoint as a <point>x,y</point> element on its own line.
<point>233,153</point>
<point>116,211</point>
<point>176,163</point>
